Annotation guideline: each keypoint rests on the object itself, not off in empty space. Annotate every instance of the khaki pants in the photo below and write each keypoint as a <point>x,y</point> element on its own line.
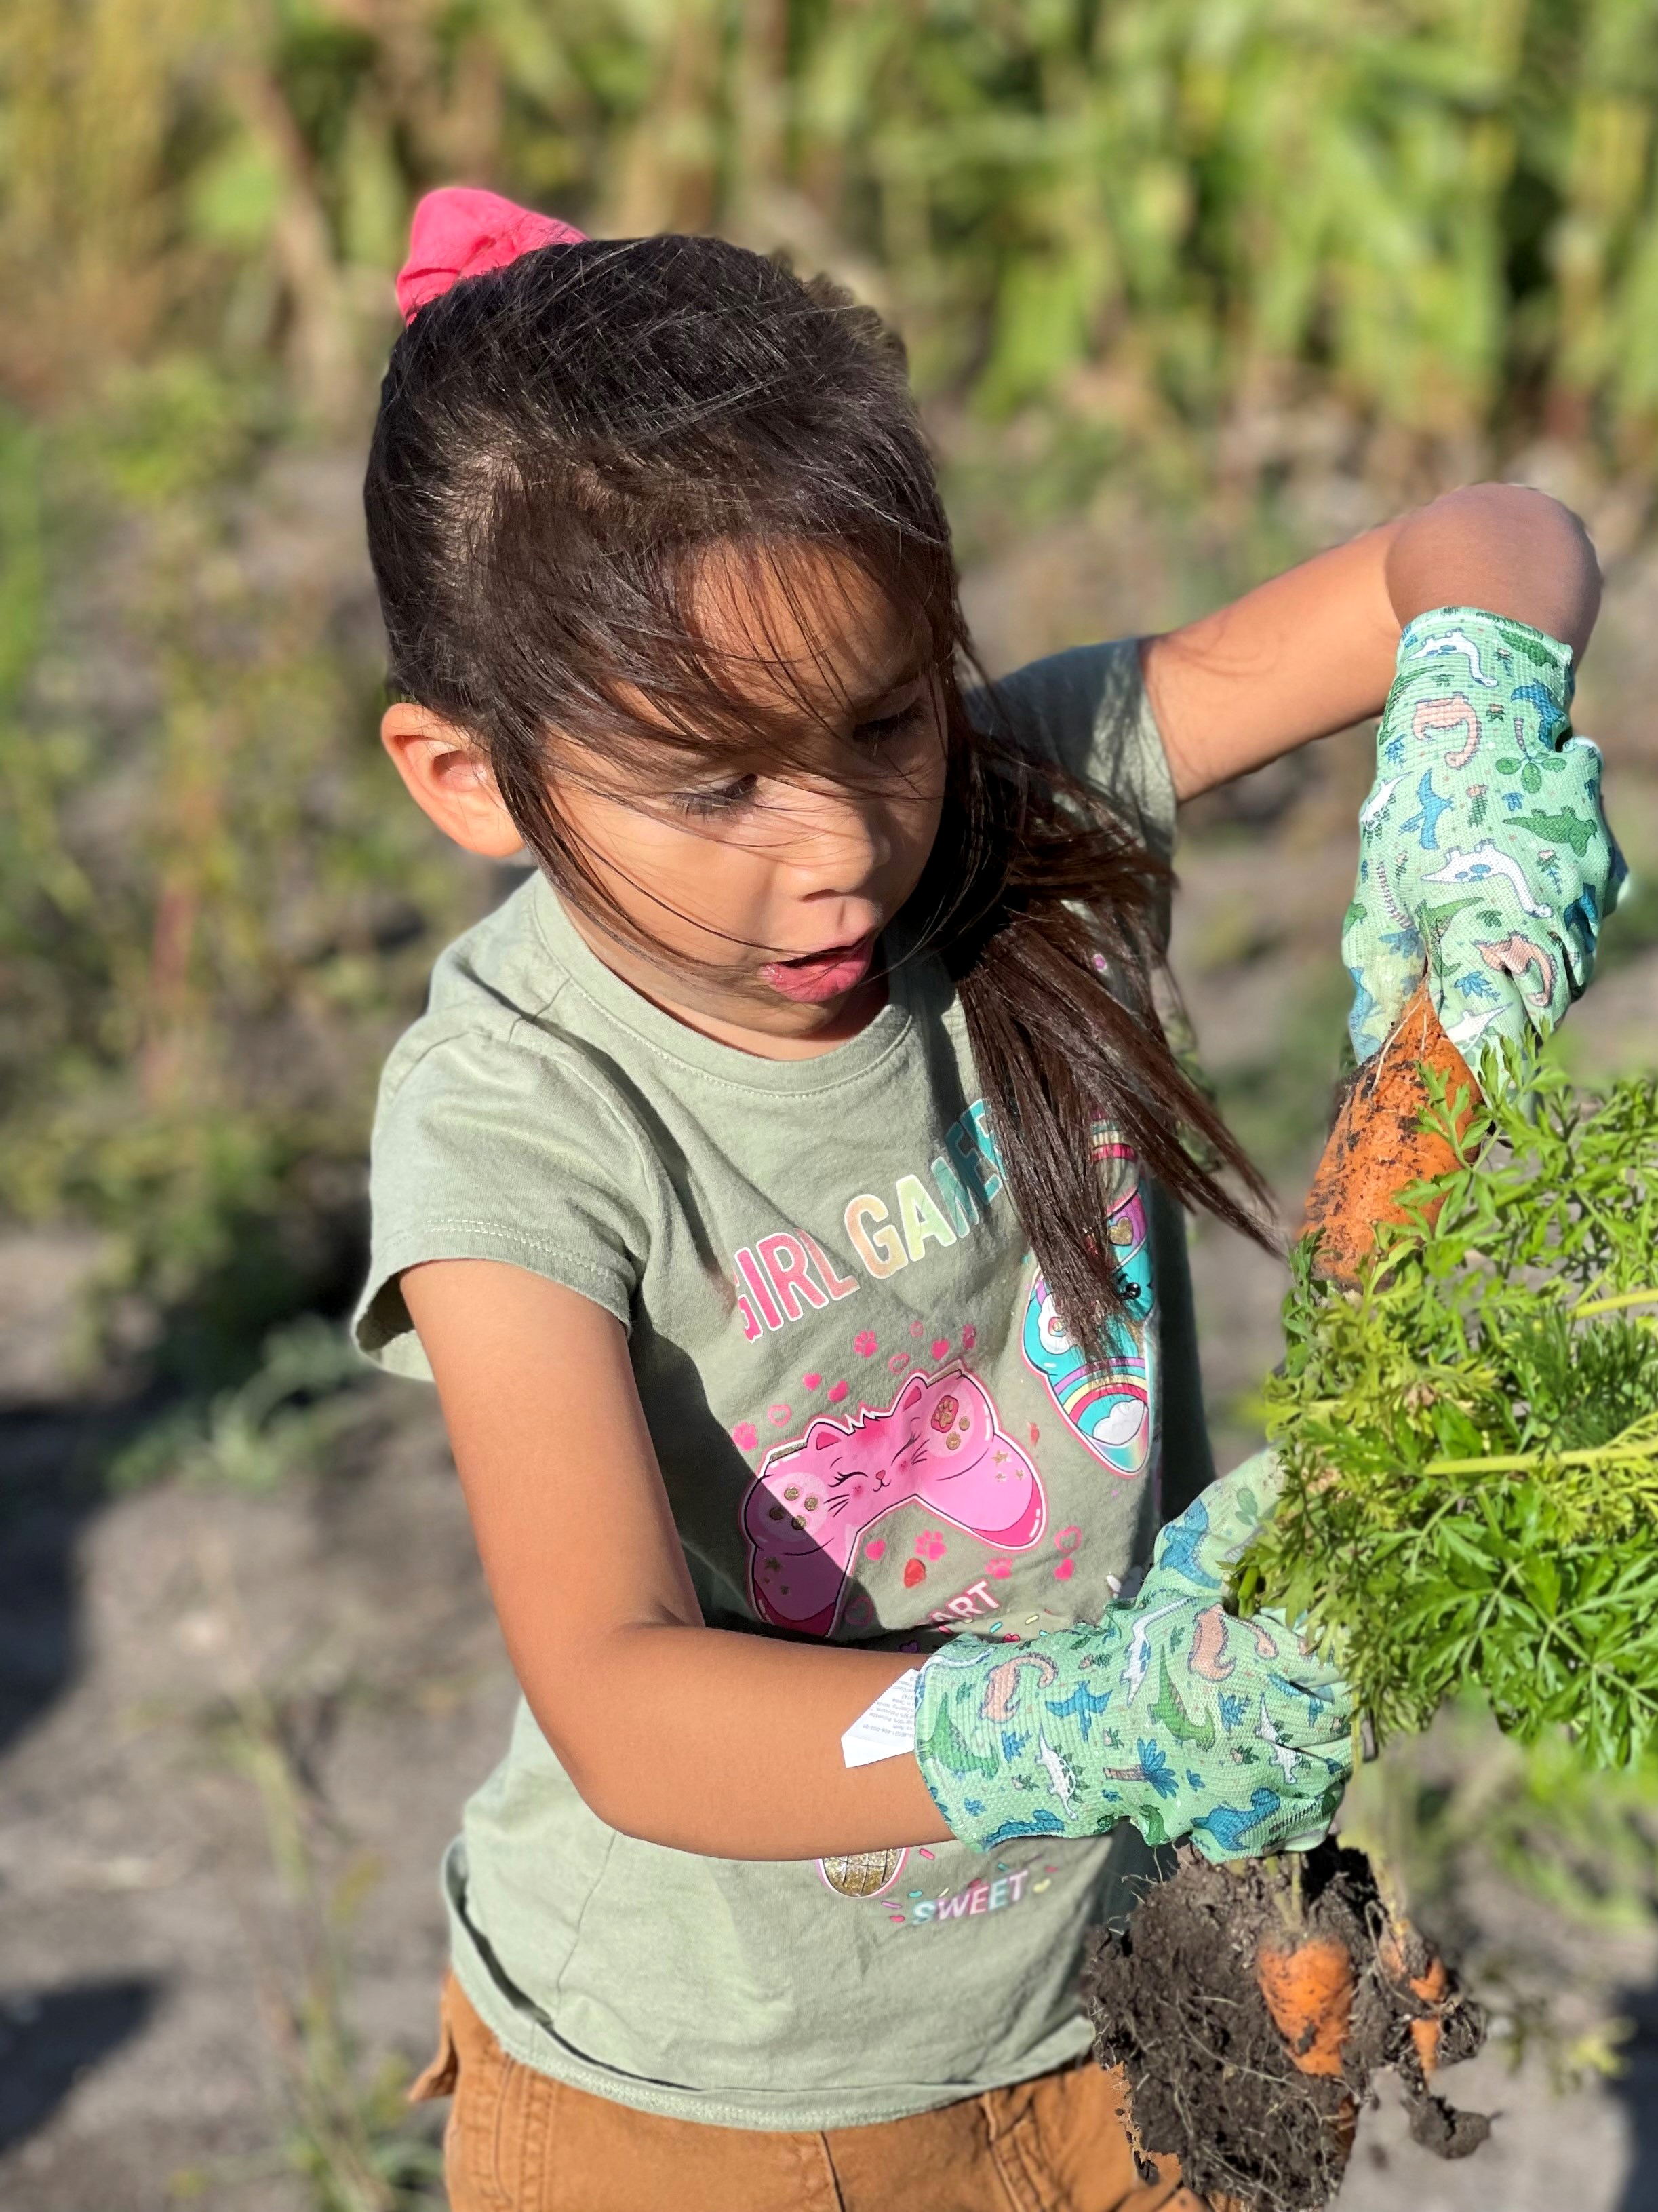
<point>518,2140</point>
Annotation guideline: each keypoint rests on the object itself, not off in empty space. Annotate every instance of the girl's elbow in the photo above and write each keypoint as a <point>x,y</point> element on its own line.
<point>1564,565</point>
<point>634,1811</point>
<point>1518,551</point>
<point>610,1777</point>
<point>1568,558</point>
<point>1555,534</point>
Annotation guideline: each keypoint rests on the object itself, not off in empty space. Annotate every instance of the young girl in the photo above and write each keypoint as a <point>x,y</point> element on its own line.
<point>784,1189</point>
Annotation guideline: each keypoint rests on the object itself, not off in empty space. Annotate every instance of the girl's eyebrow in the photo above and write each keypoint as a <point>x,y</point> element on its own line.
<point>686,774</point>
<point>858,703</point>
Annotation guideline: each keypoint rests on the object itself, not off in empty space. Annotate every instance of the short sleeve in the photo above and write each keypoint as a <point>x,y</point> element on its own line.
<point>1088,710</point>
<point>487,1149</point>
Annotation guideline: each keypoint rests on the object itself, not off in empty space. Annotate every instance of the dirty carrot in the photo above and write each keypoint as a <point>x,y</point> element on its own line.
<point>1379,1145</point>
<point>1431,1986</point>
<point>1308,1989</point>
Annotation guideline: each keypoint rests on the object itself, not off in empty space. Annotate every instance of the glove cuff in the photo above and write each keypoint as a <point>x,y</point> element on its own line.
<point>978,1703</point>
<point>1198,1551</point>
<point>1487,656</point>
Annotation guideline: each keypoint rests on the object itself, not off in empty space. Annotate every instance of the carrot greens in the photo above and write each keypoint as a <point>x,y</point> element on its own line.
<point>1470,1433</point>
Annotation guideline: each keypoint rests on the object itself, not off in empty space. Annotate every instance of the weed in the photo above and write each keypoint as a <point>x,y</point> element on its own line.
<point>350,2136</point>
<point>278,1421</point>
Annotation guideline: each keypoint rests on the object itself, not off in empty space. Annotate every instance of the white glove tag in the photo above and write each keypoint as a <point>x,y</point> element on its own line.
<point>887,1728</point>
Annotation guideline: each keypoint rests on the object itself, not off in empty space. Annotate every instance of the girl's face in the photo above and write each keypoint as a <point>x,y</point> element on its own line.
<point>765,894</point>
<point>760,896</point>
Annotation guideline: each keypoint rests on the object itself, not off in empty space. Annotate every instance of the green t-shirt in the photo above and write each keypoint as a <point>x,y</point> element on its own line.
<point>870,1427</point>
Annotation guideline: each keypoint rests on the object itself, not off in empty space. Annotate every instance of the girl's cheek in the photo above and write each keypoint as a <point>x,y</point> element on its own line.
<point>691,895</point>
<point>719,888</point>
<point>915,827</point>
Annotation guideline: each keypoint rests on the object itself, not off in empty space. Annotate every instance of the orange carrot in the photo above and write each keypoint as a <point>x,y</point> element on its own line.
<point>1429,1987</point>
<point>1308,1989</point>
<point>1378,1146</point>
<point>1425,2033</point>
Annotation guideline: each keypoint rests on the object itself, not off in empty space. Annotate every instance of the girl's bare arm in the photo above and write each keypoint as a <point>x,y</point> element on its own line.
<point>1312,650</point>
<point>705,1740</point>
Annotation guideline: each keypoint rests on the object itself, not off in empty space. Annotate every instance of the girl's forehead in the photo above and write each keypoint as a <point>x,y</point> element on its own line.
<point>803,625</point>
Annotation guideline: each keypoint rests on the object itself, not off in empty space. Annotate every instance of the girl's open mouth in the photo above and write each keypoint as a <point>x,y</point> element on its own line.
<point>818,976</point>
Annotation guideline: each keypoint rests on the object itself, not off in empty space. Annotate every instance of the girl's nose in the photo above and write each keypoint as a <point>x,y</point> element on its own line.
<point>837,835</point>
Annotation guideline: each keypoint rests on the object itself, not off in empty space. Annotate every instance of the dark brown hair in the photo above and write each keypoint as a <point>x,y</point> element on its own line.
<point>561,445</point>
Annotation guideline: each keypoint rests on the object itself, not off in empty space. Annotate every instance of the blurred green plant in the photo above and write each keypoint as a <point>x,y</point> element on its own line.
<point>1203,243</point>
<point>278,1422</point>
<point>1440,213</point>
<point>1580,1839</point>
<point>1632,927</point>
<point>1467,1812</point>
<point>350,2136</point>
<point>213,913</point>
<point>1277,1100</point>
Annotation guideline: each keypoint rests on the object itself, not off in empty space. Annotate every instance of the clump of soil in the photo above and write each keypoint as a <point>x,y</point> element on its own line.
<point>1260,2110</point>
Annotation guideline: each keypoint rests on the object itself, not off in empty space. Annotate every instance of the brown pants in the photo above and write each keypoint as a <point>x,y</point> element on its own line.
<point>517,2140</point>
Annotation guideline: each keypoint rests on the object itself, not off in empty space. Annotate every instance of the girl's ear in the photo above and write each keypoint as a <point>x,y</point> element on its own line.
<point>449,780</point>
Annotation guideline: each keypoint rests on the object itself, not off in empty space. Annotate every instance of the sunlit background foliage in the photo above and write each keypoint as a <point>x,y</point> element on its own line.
<point>1197,246</point>
<point>1189,286</point>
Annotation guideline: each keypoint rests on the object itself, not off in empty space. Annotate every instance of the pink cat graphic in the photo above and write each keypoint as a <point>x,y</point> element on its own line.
<point>938,1444</point>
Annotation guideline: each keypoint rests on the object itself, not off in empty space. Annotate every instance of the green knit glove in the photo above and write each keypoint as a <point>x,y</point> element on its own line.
<point>1483,853</point>
<point>1171,1713</point>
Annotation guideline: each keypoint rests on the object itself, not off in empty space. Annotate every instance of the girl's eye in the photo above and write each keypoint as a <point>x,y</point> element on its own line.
<point>885,727</point>
<point>717,799</point>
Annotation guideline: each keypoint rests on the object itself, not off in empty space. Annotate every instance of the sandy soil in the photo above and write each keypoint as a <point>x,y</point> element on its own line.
<point>148,1943</point>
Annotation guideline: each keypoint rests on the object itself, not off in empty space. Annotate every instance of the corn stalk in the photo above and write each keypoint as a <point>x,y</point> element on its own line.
<point>1439,212</point>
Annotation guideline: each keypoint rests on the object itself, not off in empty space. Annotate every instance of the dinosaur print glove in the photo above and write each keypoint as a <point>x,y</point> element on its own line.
<point>1482,849</point>
<point>1171,1713</point>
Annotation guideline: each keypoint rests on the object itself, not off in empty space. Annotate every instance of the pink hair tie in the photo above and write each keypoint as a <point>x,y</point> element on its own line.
<point>460,231</point>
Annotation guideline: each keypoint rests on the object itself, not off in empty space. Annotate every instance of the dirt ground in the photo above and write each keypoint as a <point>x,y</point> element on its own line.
<point>235,1729</point>
<point>147,1938</point>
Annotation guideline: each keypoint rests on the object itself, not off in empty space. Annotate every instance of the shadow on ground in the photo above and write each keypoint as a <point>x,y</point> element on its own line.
<point>50,2038</point>
<point>1636,2088</point>
<point>46,1495</point>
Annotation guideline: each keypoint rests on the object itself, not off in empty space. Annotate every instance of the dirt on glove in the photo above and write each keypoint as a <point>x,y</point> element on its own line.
<point>1250,2005</point>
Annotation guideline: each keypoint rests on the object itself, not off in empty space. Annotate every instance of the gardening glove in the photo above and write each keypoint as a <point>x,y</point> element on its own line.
<point>1171,1713</point>
<point>1482,849</point>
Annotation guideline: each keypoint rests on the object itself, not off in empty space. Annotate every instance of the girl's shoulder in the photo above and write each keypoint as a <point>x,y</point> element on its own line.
<point>503,1131</point>
<point>507,1004</point>
<point>1088,711</point>
<point>497,985</point>
<point>506,1070</point>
